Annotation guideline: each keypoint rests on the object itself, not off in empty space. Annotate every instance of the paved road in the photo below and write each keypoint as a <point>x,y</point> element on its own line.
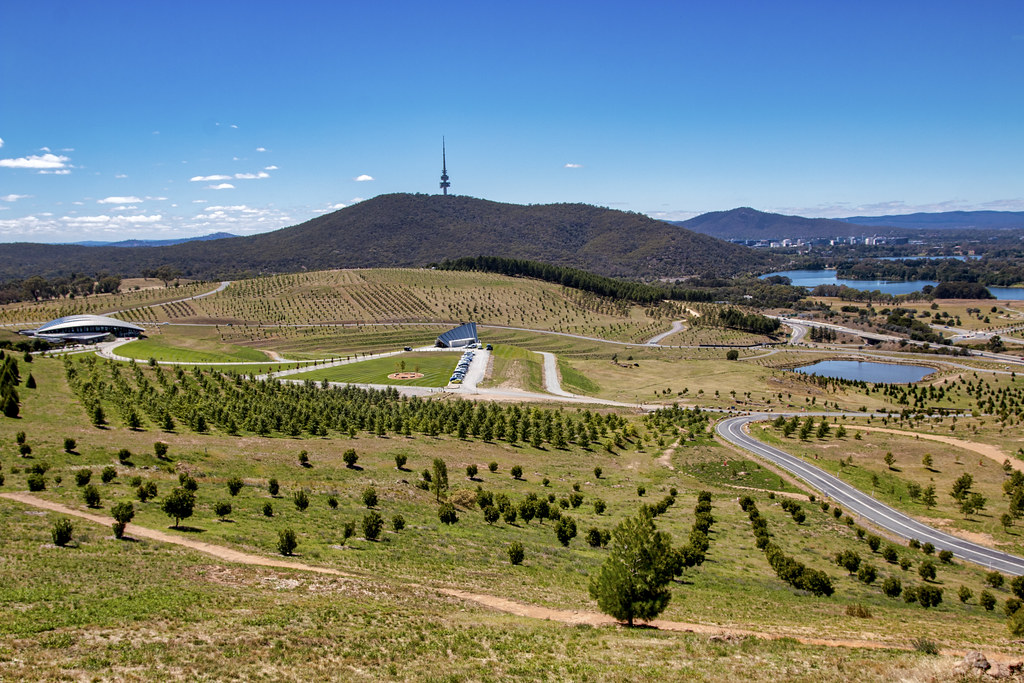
<point>677,326</point>
<point>861,504</point>
<point>551,383</point>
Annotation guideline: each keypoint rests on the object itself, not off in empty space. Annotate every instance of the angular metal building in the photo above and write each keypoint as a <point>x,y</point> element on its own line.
<point>463,335</point>
<point>84,329</point>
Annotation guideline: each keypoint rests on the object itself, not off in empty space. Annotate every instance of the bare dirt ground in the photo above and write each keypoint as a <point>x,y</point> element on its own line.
<point>572,617</point>
<point>984,449</point>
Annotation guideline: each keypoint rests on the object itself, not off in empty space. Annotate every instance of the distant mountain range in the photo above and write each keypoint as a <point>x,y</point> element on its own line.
<point>947,220</point>
<point>407,230</point>
<point>749,224</point>
<point>155,243</point>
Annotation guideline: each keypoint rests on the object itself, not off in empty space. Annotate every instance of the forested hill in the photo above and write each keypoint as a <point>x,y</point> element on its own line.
<point>750,224</point>
<point>417,230</point>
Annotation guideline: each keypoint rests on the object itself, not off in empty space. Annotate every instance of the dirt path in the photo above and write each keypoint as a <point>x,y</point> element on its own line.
<point>572,617</point>
<point>136,531</point>
<point>985,449</point>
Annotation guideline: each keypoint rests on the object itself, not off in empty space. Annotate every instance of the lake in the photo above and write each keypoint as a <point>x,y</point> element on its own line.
<point>867,371</point>
<point>813,278</point>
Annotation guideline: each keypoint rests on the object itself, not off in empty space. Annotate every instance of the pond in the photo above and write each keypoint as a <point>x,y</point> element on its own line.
<point>867,371</point>
<point>813,278</point>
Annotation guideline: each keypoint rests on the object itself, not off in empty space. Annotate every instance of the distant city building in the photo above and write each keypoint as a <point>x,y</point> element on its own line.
<point>444,170</point>
<point>458,337</point>
<point>84,329</point>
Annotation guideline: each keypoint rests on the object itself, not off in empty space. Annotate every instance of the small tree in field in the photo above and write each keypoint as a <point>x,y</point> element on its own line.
<point>286,542</point>
<point>516,553</point>
<point>69,445</point>
<point>160,450</point>
<point>350,458</point>
<point>222,509</point>
<point>471,471</point>
<point>122,513</point>
<point>370,497</point>
<point>565,530</point>
<point>301,500</point>
<point>179,504</point>
<point>373,523</point>
<point>91,496</point>
<point>234,485</point>
<point>273,487</point>
<point>439,479</point>
<point>447,514</point>
<point>61,532</point>
<point>400,460</point>
<point>517,472</point>
<point>633,581</point>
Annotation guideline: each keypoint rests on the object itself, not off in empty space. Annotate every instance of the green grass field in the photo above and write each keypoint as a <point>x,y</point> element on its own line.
<point>164,349</point>
<point>436,367</point>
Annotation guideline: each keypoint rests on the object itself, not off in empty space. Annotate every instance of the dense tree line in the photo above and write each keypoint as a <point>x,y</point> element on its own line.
<point>36,288</point>
<point>734,318</point>
<point>9,378</point>
<point>961,290</point>
<point>577,279</point>
<point>1002,272</point>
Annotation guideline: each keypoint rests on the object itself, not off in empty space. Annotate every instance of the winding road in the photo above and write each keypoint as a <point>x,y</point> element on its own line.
<point>859,503</point>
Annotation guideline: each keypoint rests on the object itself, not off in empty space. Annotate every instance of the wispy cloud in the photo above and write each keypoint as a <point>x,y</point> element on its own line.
<point>119,200</point>
<point>270,168</point>
<point>14,197</point>
<point>121,175</point>
<point>41,162</point>
<point>208,178</point>
<point>335,207</point>
<point>221,186</point>
<point>106,220</point>
<point>362,178</point>
<point>261,149</point>
<point>897,208</point>
<point>252,176</point>
<point>572,165</point>
<point>1,142</point>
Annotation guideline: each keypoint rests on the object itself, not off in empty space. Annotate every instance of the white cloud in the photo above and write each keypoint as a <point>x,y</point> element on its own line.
<point>103,219</point>
<point>14,197</point>
<point>119,200</point>
<point>1,142</point>
<point>362,178</point>
<point>335,207</point>
<point>51,162</point>
<point>156,199</point>
<point>571,165</point>
<point>200,201</point>
<point>261,149</point>
<point>234,126</point>
<point>270,168</point>
<point>208,178</point>
<point>59,171</point>
<point>45,149</point>
<point>121,175</point>
<point>221,186</point>
<point>252,176</point>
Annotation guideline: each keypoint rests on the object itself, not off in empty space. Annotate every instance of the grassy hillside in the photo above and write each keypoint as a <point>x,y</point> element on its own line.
<point>416,230</point>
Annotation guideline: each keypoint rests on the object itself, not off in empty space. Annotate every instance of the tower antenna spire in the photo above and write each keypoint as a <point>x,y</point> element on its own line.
<point>444,169</point>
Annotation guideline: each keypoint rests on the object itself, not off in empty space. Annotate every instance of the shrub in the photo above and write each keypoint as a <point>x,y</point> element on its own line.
<point>135,482</point>
<point>964,594</point>
<point>188,482</point>
<point>493,467</point>
<point>914,543</point>
<point>599,506</point>
<point>69,444</point>
<point>83,476</point>
<point>300,499</point>
<point>994,579</point>
<point>597,472</point>
<point>641,490</point>
<point>471,471</point>
<point>286,542</point>
<point>867,574</point>
<point>370,497</point>
<point>909,594</point>
<point>61,532</point>
<point>946,556</point>
<point>575,499</point>
<point>273,487</point>
<point>108,474</point>
<point>925,646</point>
<point>928,549</point>
<point>398,522</point>
<point>904,563</point>
<point>892,587</point>
<point>593,537</point>
<point>304,459</point>
<point>160,450</point>
<point>350,458</point>
<point>91,496</point>
<point>837,512</point>
<point>516,553</point>
<point>332,502</point>
<point>123,512</point>
<point>732,354</point>
<point>1017,586</point>
<point>25,450</point>
<point>874,542</point>
<point>234,485</point>
<point>1011,606</point>
<point>447,514</point>
<point>565,530</point>
<point>348,530</point>
<point>124,456</point>
<point>890,554</point>
<point>929,596</point>
<point>268,510</point>
<point>517,472</point>
<point>859,532</point>
<point>848,560</point>
<point>146,491</point>
<point>545,482</point>
<point>858,611</point>
<point>373,523</point>
<point>926,570</point>
<point>987,600</point>
<point>510,514</point>
<point>222,509</point>
<point>400,460</point>
<point>36,482</point>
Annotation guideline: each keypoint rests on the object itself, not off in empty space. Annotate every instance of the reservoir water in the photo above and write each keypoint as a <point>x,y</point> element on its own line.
<point>813,278</point>
<point>866,371</point>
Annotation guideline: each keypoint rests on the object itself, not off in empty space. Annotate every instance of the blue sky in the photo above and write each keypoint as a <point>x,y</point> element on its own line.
<point>157,119</point>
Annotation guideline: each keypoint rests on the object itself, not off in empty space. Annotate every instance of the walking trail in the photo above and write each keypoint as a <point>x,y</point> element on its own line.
<point>564,616</point>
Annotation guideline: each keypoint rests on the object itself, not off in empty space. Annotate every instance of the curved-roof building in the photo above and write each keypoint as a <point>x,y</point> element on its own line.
<point>86,329</point>
<point>463,335</point>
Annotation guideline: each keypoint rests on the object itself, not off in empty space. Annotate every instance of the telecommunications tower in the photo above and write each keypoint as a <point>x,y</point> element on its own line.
<point>444,170</point>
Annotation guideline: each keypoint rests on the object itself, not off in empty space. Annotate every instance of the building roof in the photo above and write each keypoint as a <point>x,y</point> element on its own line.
<point>462,335</point>
<point>70,322</point>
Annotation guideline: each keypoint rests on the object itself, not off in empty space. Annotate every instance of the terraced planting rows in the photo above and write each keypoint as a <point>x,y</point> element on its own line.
<point>42,311</point>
